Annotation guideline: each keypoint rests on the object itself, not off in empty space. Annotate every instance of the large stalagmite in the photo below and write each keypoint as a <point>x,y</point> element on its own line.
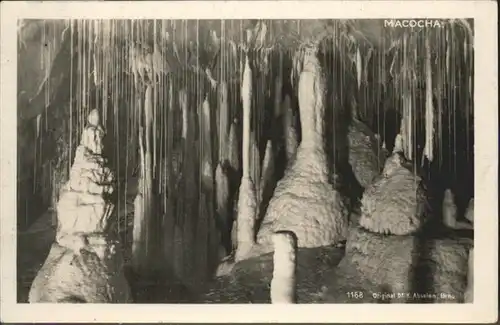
<point>304,202</point>
<point>247,201</point>
<point>387,252</point>
<point>84,263</point>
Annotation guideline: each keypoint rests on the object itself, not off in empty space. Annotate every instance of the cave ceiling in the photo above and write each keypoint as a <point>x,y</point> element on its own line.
<point>33,35</point>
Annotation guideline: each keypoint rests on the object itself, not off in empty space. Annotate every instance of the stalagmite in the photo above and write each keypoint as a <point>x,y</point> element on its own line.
<point>388,252</point>
<point>398,144</point>
<point>284,261</point>
<point>469,213</point>
<point>247,201</point>
<point>450,212</point>
<point>304,202</point>
<point>84,262</point>
<point>469,293</point>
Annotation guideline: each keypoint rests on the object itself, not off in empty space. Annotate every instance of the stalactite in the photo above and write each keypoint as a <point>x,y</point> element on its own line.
<point>169,225</point>
<point>223,111</point>
<point>246,94</point>
<point>429,108</point>
<point>148,177</point>
<point>407,116</point>
<point>105,67</point>
<point>278,91</point>
<point>359,67</point>
<point>154,73</point>
<point>206,146</point>
<point>454,99</point>
<point>439,91</point>
<point>139,209</point>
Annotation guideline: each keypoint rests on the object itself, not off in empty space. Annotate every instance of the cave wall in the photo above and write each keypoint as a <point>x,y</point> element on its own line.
<point>39,42</point>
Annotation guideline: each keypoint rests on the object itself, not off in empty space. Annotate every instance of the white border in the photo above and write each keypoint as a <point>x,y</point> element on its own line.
<point>484,308</point>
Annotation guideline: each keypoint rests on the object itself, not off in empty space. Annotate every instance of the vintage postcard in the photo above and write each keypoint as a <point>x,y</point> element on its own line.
<point>253,161</point>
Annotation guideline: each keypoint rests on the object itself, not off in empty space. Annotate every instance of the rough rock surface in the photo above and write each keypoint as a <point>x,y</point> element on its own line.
<point>379,264</point>
<point>84,263</point>
<point>388,253</point>
<point>396,202</point>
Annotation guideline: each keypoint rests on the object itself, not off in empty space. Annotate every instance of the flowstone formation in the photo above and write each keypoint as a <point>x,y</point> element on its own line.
<point>84,263</point>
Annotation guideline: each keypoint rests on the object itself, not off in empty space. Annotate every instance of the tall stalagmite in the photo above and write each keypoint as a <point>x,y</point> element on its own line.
<point>304,202</point>
<point>85,262</point>
<point>247,201</point>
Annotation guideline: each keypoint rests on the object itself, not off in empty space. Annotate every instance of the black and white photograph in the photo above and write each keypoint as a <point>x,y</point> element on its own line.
<point>246,161</point>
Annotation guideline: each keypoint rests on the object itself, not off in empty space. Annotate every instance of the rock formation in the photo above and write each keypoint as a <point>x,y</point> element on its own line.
<point>284,268</point>
<point>84,263</point>
<point>469,213</point>
<point>450,212</point>
<point>388,253</point>
<point>304,201</point>
<point>247,195</point>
